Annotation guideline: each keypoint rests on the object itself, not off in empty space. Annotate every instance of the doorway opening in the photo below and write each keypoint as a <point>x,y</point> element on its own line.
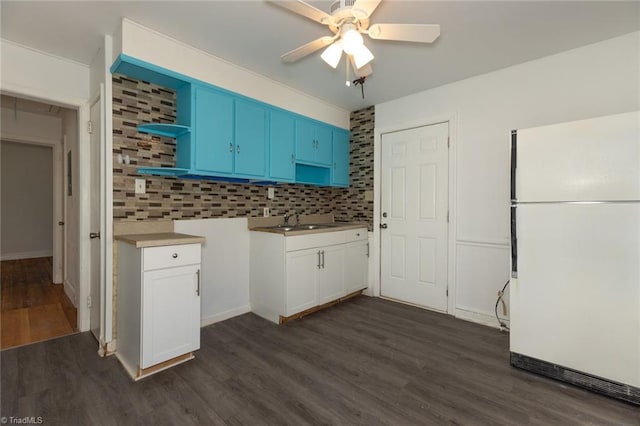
<point>39,300</point>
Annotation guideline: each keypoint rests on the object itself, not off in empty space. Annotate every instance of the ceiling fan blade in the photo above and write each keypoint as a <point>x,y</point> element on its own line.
<point>417,33</point>
<point>362,9</point>
<point>306,49</point>
<point>363,71</point>
<point>305,9</point>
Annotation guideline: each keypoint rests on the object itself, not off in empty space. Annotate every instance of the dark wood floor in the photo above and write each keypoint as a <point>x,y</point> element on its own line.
<point>367,361</point>
<point>33,308</point>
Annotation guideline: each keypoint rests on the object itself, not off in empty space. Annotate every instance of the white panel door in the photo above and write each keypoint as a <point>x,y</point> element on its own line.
<point>94,140</point>
<point>414,211</point>
<point>170,314</point>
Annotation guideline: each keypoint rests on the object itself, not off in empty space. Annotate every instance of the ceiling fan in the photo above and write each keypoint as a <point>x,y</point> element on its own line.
<point>349,19</point>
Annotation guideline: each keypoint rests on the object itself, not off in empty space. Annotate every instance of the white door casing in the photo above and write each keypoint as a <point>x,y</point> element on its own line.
<point>94,221</point>
<point>414,208</point>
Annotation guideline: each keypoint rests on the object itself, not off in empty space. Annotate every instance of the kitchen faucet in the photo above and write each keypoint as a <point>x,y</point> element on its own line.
<point>287,216</point>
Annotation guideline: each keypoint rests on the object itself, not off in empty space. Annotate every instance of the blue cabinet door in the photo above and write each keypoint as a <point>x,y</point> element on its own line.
<point>324,147</point>
<point>305,141</point>
<point>282,139</point>
<point>213,128</point>
<point>251,139</point>
<point>340,171</point>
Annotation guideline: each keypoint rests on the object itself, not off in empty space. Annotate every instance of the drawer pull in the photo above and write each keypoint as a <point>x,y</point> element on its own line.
<point>174,255</point>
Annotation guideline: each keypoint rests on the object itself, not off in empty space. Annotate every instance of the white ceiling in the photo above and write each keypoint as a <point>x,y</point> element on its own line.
<point>476,37</point>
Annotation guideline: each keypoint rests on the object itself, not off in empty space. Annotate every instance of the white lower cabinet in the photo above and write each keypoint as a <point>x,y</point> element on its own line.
<point>356,257</point>
<point>331,274</point>
<point>301,281</point>
<point>292,274</point>
<point>158,306</point>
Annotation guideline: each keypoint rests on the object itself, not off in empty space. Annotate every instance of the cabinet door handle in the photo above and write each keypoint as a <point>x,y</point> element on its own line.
<point>293,159</point>
<point>230,147</point>
<point>198,282</point>
<point>322,259</point>
<point>174,255</point>
<point>238,149</point>
<point>318,259</point>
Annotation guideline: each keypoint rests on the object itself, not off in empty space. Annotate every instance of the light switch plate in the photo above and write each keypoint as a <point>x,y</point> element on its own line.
<point>140,186</point>
<point>265,212</point>
<point>271,192</point>
<point>368,195</point>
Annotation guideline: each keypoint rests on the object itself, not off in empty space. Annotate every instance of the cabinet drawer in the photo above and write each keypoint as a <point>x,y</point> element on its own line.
<point>170,256</point>
<point>323,239</point>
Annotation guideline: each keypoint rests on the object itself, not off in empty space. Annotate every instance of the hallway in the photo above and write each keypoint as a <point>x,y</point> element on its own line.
<point>33,308</point>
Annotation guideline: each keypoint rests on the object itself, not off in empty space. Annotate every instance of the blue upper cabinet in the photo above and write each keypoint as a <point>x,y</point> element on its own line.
<point>324,146</point>
<point>305,141</point>
<point>225,136</point>
<point>251,139</point>
<point>282,139</point>
<point>313,142</point>
<point>213,130</point>
<point>340,171</point>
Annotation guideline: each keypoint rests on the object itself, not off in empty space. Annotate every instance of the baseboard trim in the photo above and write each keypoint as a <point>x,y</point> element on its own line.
<point>587,381</point>
<point>478,317</point>
<point>224,315</point>
<point>70,291</point>
<point>26,255</point>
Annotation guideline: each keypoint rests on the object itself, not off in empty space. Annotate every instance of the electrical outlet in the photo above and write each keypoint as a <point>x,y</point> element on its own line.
<point>140,186</point>
<point>265,212</point>
<point>271,192</point>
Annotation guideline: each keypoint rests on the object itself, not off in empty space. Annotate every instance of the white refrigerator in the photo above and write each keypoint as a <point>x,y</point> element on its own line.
<point>575,248</point>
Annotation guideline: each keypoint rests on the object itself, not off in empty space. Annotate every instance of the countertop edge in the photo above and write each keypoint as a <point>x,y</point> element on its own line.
<point>160,239</point>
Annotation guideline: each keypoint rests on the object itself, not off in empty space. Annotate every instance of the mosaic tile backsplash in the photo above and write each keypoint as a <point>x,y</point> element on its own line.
<point>169,198</point>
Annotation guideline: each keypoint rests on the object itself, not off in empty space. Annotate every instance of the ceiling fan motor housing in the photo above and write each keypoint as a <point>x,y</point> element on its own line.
<point>341,6</point>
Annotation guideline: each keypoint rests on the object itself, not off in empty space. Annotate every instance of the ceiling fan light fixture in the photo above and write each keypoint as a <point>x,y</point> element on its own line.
<point>351,41</point>
<point>332,54</point>
<point>362,56</point>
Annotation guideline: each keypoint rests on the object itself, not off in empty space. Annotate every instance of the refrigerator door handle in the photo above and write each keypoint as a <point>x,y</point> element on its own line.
<point>514,161</point>
<point>514,243</point>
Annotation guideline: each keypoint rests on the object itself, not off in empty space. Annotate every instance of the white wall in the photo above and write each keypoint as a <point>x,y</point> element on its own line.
<point>225,266</point>
<point>182,58</point>
<point>30,127</point>
<point>32,73</point>
<point>27,201</point>
<point>598,79</point>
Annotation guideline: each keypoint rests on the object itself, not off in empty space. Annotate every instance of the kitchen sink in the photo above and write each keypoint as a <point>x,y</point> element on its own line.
<point>303,227</point>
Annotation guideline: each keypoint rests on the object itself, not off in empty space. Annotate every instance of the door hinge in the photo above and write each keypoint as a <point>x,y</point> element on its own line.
<point>89,127</point>
<point>448,142</point>
<point>88,301</point>
<point>447,216</point>
<point>447,291</point>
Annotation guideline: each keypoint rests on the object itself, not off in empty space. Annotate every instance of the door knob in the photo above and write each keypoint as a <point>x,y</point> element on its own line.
<point>383,226</point>
<point>61,223</point>
<point>93,235</point>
